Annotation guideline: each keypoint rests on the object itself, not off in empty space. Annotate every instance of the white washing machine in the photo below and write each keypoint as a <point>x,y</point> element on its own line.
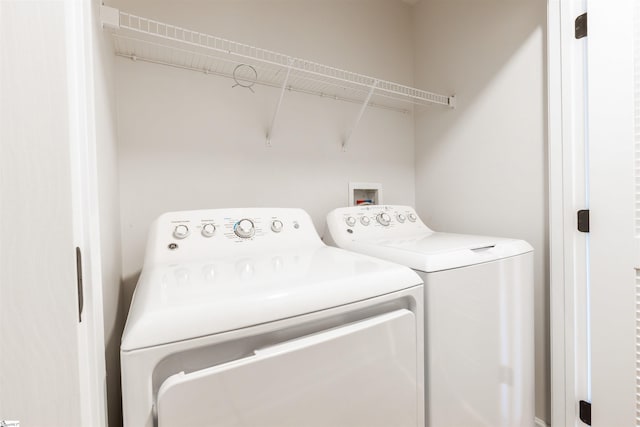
<point>478,312</point>
<point>243,317</point>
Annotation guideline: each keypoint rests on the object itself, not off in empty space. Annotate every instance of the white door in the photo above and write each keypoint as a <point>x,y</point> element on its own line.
<point>594,130</point>
<point>50,357</point>
<point>614,174</point>
<point>360,374</point>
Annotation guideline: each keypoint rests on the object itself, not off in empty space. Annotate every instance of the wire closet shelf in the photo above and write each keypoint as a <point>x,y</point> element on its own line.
<point>147,40</point>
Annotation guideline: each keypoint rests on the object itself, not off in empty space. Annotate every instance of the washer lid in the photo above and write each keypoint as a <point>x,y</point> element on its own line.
<point>188,300</point>
<point>432,251</point>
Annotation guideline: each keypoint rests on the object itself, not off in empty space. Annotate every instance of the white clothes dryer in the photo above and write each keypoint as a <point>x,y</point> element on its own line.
<point>478,311</point>
<point>243,317</point>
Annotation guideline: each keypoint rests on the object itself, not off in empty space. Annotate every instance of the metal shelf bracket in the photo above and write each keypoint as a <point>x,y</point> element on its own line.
<point>109,17</point>
<point>275,114</point>
<point>360,114</point>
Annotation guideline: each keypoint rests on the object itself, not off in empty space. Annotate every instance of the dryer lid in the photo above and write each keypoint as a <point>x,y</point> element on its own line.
<point>189,300</point>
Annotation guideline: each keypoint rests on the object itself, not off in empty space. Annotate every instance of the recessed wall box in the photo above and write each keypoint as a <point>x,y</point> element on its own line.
<point>365,193</point>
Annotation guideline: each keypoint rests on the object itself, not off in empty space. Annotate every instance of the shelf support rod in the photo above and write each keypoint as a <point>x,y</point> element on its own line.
<point>360,114</point>
<point>275,114</point>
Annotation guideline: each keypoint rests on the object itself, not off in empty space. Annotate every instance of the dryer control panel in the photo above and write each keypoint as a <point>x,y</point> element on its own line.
<point>191,235</point>
<point>373,222</point>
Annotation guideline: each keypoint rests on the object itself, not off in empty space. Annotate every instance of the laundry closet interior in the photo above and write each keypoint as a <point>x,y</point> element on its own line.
<point>174,134</point>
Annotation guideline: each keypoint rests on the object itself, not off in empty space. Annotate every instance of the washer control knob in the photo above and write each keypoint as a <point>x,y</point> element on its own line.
<point>208,230</point>
<point>384,219</point>
<point>244,228</point>
<point>181,231</point>
<point>412,217</point>
<point>365,220</point>
<point>276,226</point>
<point>351,221</point>
<point>401,218</point>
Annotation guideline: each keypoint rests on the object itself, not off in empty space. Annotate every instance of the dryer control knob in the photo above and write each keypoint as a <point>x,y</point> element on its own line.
<point>412,217</point>
<point>181,231</point>
<point>276,226</point>
<point>384,219</point>
<point>401,218</point>
<point>208,230</point>
<point>351,221</point>
<point>244,228</point>
<point>365,220</point>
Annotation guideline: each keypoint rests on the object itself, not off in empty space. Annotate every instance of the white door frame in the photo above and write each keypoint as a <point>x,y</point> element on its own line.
<point>567,195</point>
<point>84,179</point>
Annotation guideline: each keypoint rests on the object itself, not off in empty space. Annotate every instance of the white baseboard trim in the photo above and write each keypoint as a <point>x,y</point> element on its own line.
<point>540,423</point>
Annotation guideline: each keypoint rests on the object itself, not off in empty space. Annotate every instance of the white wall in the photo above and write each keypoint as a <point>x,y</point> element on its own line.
<point>482,168</point>
<point>190,141</point>
<point>109,207</point>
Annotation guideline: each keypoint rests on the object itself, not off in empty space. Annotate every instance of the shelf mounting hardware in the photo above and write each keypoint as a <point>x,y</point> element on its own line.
<point>109,17</point>
<point>275,114</point>
<point>452,101</point>
<point>248,81</point>
<point>360,114</point>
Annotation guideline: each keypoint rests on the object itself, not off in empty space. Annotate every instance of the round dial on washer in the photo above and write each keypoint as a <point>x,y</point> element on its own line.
<point>244,228</point>
<point>401,218</point>
<point>181,231</point>
<point>412,217</point>
<point>384,219</point>
<point>276,226</point>
<point>351,221</point>
<point>208,230</point>
<point>365,220</point>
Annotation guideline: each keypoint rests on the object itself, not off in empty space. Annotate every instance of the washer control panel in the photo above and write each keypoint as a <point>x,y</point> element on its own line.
<point>197,234</point>
<point>372,222</point>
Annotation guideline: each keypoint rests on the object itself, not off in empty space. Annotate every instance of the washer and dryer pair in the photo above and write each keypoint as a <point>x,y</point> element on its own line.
<point>243,317</point>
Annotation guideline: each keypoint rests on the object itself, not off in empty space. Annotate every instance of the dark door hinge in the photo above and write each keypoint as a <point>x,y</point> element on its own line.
<point>79,282</point>
<point>585,412</point>
<point>583,220</point>
<point>581,26</point>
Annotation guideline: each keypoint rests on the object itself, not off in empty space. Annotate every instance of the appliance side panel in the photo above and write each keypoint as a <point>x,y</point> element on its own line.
<point>479,344</point>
